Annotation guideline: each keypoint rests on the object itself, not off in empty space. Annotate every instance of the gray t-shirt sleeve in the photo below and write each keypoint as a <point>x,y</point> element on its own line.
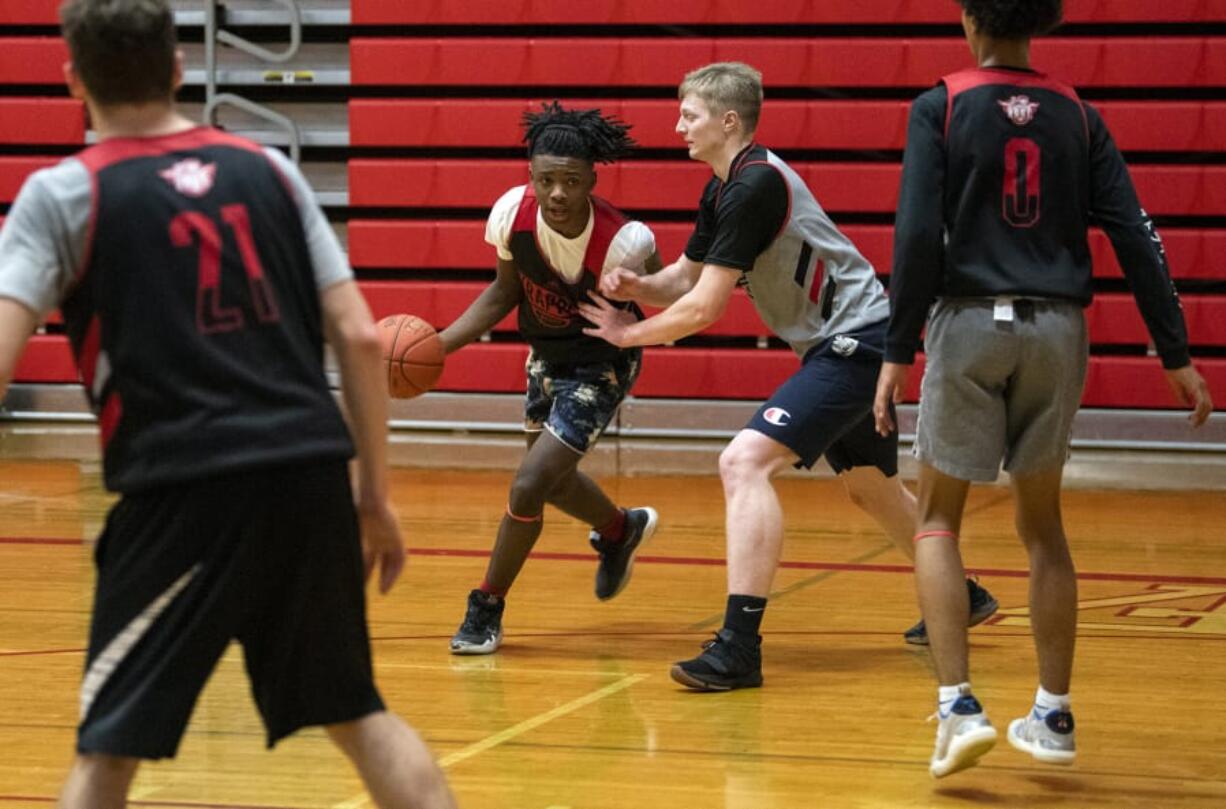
<point>46,236</point>
<point>327,259</point>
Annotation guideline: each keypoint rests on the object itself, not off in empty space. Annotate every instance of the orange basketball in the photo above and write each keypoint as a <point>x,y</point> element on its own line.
<point>412,353</point>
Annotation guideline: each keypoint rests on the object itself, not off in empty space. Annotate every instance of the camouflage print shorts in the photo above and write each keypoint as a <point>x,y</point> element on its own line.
<point>577,402</point>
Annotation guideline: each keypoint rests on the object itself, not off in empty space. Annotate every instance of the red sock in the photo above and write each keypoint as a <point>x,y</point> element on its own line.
<point>491,590</point>
<point>615,528</point>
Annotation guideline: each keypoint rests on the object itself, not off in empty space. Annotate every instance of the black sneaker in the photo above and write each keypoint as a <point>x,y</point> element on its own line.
<point>617,558</point>
<point>727,662</point>
<point>983,607</point>
<point>481,632</point>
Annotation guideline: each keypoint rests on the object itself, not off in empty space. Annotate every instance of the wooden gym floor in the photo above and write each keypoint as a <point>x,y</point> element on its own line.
<point>577,710</point>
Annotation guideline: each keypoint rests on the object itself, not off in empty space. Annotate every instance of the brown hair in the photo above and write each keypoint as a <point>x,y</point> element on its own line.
<point>123,50</point>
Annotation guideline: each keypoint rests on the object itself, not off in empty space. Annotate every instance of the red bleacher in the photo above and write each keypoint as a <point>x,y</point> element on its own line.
<point>1158,61</point>
<point>835,125</point>
<point>1118,59</point>
<point>668,185</point>
<point>460,245</point>
<point>721,12</point>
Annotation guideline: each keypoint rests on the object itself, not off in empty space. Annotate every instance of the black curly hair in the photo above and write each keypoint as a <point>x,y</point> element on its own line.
<point>585,134</point>
<point>1014,19</point>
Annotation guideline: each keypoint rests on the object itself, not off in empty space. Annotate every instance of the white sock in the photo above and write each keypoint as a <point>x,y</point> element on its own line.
<point>1045,702</point>
<point>947,694</point>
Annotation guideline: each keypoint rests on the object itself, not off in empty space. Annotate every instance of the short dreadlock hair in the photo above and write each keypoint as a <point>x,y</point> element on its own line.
<point>1014,19</point>
<point>585,134</point>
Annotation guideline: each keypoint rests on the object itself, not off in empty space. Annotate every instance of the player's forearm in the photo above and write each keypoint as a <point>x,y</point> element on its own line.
<point>491,306</point>
<point>364,388</point>
<point>687,315</point>
<point>665,287</point>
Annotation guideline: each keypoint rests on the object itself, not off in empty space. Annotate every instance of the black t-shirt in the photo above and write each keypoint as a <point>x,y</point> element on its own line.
<point>739,219</point>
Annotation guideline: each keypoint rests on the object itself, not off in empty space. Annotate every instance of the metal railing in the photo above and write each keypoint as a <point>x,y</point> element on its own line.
<point>213,34</point>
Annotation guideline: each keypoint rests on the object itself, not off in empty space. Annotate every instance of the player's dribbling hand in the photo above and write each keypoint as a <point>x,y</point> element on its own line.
<point>382,544</point>
<point>609,323</point>
<point>1191,389</point>
<point>891,383</point>
<point>620,284</point>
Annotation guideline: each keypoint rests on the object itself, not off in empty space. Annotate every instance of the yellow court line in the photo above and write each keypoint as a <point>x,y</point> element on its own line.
<point>359,801</point>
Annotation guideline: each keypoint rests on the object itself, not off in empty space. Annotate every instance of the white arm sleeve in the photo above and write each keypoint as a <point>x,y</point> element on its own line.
<point>327,259</point>
<point>631,248</point>
<point>502,217</point>
<point>45,236</point>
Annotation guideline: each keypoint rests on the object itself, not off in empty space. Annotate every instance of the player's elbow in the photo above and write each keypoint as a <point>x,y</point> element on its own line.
<point>706,312</point>
<point>358,336</point>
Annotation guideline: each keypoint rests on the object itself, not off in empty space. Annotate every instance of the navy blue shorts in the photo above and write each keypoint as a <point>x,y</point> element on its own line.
<point>577,402</point>
<point>826,407</point>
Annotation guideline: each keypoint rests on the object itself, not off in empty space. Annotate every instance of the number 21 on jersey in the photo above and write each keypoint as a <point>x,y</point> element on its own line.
<point>197,227</point>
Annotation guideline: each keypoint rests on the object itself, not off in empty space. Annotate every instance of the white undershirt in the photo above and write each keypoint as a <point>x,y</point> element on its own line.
<point>630,248</point>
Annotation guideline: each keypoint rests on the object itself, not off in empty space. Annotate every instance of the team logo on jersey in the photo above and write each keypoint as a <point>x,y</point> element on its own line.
<point>844,346</point>
<point>190,177</point>
<point>551,308</point>
<point>1019,109</point>
<point>777,416</point>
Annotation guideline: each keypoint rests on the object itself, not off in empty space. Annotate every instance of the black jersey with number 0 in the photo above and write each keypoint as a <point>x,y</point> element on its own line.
<point>195,317</point>
<point>1004,172</point>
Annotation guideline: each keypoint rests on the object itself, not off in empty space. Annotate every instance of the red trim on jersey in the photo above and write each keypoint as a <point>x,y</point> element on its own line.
<point>87,359</point>
<point>109,417</point>
<point>525,215</point>
<point>116,150</point>
<point>963,80</point>
<point>607,221</point>
<point>734,169</point>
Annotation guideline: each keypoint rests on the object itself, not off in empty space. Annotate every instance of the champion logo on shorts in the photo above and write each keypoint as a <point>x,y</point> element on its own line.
<point>777,416</point>
<point>844,345</point>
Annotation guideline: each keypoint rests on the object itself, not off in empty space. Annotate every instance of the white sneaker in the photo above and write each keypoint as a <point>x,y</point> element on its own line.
<point>962,738</point>
<point>1048,738</point>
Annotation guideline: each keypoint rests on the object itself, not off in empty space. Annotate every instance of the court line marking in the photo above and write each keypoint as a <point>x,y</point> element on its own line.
<point>502,736</point>
<point>706,561</point>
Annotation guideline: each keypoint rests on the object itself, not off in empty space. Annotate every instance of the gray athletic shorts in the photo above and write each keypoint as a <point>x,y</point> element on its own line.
<point>1000,389</point>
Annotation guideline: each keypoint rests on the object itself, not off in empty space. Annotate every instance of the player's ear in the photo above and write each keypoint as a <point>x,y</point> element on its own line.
<point>731,120</point>
<point>176,79</point>
<point>76,87</point>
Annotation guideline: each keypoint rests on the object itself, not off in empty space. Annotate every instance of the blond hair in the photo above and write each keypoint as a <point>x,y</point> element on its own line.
<point>727,86</point>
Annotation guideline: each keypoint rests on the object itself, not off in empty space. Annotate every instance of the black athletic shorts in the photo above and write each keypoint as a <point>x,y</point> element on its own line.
<point>826,407</point>
<point>271,558</point>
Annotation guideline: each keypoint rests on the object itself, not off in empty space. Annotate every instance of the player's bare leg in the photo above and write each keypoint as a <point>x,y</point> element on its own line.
<point>887,500</point>
<point>394,763</point>
<point>754,520</point>
<point>893,507</point>
<point>1053,581</point>
<point>754,517</point>
<point>98,782</point>
<point>939,574</point>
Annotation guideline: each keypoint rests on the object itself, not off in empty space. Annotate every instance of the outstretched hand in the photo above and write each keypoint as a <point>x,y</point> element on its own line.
<point>608,322</point>
<point>382,544</point>
<point>620,284</point>
<point>891,385</point>
<point>1190,389</point>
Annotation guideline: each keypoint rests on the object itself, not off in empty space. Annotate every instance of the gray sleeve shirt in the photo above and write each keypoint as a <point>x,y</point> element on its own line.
<point>46,237</point>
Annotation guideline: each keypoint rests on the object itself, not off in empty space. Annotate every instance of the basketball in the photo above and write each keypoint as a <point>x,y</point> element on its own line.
<point>412,353</point>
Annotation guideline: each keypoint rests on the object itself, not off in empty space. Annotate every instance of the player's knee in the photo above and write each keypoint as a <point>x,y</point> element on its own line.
<point>528,492</point>
<point>737,466</point>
